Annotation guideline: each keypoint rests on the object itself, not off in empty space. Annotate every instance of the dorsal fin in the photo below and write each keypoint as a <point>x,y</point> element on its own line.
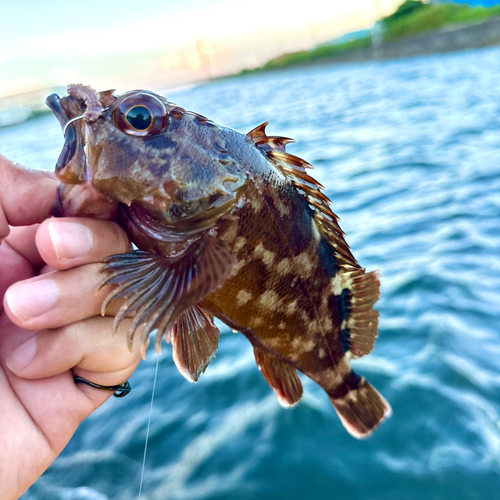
<point>361,324</point>
<point>258,132</point>
<point>294,168</point>
<point>269,143</point>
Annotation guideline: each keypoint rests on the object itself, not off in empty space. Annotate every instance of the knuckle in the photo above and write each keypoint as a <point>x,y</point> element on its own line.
<point>120,241</point>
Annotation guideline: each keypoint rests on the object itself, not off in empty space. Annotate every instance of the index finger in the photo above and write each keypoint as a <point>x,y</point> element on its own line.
<point>26,196</point>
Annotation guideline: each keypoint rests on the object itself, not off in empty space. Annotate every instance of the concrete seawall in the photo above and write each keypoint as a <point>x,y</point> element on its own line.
<point>461,37</point>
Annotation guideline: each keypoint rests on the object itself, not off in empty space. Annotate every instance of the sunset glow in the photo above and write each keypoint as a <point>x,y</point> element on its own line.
<point>162,44</point>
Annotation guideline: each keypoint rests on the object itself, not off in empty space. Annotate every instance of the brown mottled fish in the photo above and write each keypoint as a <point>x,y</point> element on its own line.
<point>226,225</point>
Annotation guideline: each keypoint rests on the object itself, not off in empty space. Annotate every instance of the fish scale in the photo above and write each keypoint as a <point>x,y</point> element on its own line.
<point>227,225</point>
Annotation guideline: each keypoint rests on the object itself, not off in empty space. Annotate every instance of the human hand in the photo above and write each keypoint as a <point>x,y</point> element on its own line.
<point>50,328</point>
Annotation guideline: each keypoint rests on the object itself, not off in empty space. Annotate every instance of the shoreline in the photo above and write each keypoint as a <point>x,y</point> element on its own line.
<point>452,38</point>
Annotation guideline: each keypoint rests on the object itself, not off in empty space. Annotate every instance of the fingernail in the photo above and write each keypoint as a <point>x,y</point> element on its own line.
<point>23,355</point>
<point>70,239</point>
<point>29,300</point>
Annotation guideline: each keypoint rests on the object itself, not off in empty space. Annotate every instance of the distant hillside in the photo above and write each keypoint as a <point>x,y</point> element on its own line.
<point>348,37</point>
<point>412,18</point>
<point>474,3</point>
<point>419,18</point>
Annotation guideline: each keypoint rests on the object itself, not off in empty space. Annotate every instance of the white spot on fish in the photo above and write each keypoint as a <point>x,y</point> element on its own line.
<point>336,285</point>
<point>231,233</point>
<point>343,367</point>
<point>327,325</point>
<point>239,243</point>
<point>309,345</point>
<point>269,300</point>
<point>243,298</point>
<point>266,255</point>
<point>283,209</point>
<point>346,281</point>
<point>284,267</point>
<point>257,321</point>
<point>274,342</point>
<point>352,395</point>
<point>256,203</point>
<point>305,264</point>
<point>315,230</point>
<point>291,307</point>
<point>313,326</point>
<point>240,264</point>
<point>330,379</point>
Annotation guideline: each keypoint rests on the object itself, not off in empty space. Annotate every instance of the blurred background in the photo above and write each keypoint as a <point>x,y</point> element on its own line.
<point>397,107</point>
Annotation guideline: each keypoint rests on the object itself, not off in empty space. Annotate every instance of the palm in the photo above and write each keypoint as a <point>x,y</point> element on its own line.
<point>36,417</point>
<point>40,405</point>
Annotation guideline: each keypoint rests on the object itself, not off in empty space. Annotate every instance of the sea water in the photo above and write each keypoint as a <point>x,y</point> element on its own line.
<point>409,152</point>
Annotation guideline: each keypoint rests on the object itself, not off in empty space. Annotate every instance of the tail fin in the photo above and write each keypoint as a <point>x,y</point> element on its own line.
<point>360,407</point>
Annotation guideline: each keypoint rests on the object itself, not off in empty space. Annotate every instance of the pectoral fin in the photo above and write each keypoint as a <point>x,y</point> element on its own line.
<point>159,289</point>
<point>195,340</point>
<point>281,376</point>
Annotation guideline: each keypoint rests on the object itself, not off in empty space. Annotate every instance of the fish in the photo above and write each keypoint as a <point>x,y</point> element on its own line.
<point>225,225</point>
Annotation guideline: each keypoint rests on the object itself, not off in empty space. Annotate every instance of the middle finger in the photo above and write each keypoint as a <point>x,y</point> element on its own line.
<point>75,246</point>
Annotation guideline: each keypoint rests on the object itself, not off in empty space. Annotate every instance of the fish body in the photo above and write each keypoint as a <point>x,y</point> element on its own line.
<point>227,225</point>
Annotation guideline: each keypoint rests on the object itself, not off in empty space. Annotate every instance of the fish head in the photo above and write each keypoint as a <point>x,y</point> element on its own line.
<point>132,151</point>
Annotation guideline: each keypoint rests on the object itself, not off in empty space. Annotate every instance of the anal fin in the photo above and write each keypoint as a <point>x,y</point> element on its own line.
<point>195,340</point>
<point>158,289</point>
<point>281,376</point>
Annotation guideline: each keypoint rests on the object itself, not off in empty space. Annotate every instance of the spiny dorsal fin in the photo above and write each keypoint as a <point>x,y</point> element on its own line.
<point>294,168</point>
<point>268,143</point>
<point>258,132</point>
<point>360,328</point>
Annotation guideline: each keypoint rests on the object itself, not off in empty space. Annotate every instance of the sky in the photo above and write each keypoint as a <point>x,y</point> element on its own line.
<point>161,43</point>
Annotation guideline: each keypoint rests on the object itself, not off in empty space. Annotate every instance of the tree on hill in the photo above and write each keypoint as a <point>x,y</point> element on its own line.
<point>405,9</point>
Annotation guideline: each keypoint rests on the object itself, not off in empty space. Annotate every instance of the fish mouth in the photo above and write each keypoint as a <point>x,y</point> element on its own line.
<point>75,194</point>
<point>53,101</point>
<point>71,164</point>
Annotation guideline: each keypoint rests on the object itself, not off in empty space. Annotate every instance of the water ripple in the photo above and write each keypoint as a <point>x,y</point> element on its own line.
<point>409,152</point>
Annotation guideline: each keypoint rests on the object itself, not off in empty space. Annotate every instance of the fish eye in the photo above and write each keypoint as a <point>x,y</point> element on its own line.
<point>139,118</point>
<point>141,114</point>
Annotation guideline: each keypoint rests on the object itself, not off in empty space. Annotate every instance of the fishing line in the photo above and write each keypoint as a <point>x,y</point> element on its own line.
<point>149,426</point>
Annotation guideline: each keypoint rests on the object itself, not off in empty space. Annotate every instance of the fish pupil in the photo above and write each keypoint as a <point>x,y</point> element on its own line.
<point>139,118</point>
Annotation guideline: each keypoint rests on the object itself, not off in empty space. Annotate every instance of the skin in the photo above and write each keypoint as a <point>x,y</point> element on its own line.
<point>41,406</point>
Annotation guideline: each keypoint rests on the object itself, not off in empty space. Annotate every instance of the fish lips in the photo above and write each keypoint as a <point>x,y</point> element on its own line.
<point>71,165</point>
